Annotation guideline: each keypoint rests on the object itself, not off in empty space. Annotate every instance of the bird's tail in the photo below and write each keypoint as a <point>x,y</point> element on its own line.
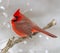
<point>45,32</point>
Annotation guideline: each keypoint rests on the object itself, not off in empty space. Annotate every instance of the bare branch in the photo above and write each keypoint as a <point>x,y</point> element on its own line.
<point>49,25</point>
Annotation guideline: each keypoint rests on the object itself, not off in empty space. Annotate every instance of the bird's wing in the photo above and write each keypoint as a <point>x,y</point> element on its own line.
<point>24,27</point>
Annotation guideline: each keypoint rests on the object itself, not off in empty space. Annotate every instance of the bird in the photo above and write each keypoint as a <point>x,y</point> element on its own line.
<point>24,27</point>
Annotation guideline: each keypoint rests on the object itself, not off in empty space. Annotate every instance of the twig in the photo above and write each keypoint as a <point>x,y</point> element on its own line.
<point>11,42</point>
<point>49,25</point>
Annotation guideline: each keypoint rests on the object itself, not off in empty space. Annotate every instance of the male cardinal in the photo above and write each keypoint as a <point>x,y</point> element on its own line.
<point>24,27</point>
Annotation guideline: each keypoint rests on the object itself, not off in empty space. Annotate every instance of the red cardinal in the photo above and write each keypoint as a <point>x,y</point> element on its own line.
<point>24,27</point>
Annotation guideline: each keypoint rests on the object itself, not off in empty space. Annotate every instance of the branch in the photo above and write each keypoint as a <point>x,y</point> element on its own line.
<point>11,42</point>
<point>49,25</point>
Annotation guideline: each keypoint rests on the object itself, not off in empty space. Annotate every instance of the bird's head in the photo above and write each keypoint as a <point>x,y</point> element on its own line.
<point>17,16</point>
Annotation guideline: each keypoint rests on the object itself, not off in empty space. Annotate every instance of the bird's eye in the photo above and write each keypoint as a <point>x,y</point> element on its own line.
<point>16,16</point>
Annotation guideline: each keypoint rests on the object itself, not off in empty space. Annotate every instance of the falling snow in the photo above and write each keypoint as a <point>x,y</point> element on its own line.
<point>5,14</point>
<point>27,3</point>
<point>20,50</point>
<point>2,7</point>
<point>46,51</point>
<point>25,42</point>
<point>40,36</point>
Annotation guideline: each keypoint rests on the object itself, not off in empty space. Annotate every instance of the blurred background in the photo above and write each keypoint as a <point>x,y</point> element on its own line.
<point>39,11</point>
